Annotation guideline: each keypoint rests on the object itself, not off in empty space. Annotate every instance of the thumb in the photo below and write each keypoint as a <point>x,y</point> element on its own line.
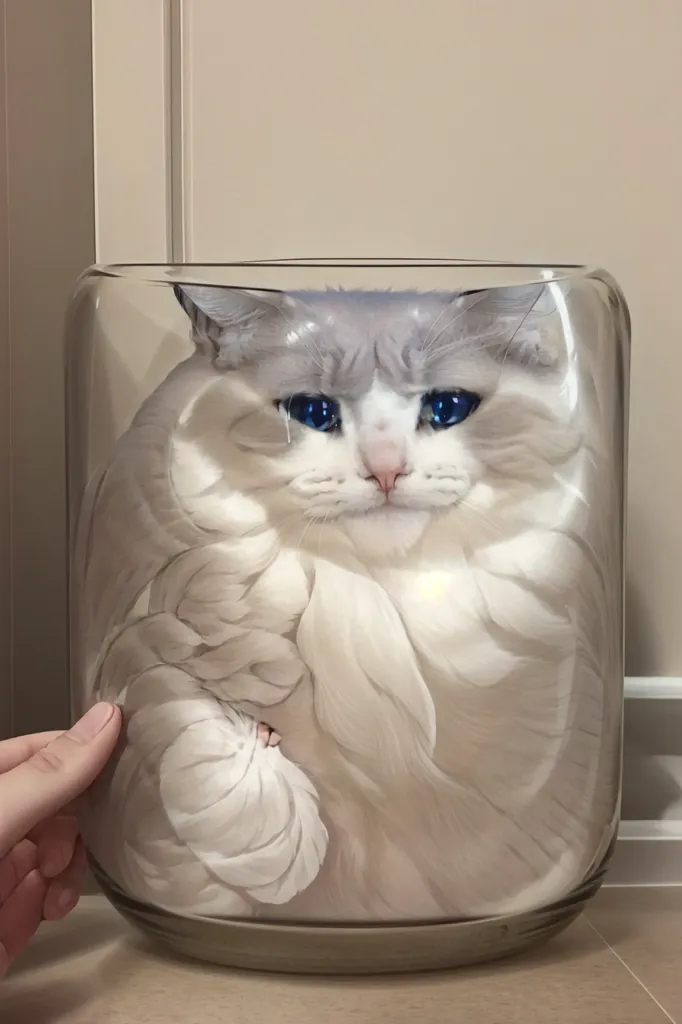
<point>56,774</point>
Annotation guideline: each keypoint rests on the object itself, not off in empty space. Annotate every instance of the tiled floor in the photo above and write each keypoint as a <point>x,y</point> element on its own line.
<point>621,964</point>
<point>643,927</point>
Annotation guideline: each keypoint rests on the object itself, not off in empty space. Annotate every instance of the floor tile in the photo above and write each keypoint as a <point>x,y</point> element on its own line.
<point>91,969</point>
<point>644,927</point>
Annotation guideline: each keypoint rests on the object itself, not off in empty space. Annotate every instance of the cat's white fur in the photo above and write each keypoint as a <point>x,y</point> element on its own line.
<point>441,668</point>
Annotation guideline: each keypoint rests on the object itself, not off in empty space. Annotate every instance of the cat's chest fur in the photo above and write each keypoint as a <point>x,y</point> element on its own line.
<point>408,663</point>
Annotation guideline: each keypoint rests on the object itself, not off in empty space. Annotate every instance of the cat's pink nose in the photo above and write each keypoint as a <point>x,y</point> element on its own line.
<point>385,479</point>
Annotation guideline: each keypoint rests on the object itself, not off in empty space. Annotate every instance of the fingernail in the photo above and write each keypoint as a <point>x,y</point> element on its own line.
<point>92,722</point>
<point>67,900</point>
<point>51,867</point>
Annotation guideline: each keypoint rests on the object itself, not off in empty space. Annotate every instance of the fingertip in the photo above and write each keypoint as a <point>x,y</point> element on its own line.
<point>60,902</point>
<point>33,889</point>
<point>55,860</point>
<point>34,882</point>
<point>93,722</point>
<point>16,865</point>
<point>57,774</point>
<point>64,892</point>
<point>56,845</point>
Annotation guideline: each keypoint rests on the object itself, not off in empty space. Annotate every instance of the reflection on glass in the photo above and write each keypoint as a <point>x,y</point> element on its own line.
<point>352,569</point>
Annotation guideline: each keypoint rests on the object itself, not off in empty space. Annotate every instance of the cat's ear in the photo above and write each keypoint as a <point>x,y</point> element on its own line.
<point>226,320</point>
<point>516,324</point>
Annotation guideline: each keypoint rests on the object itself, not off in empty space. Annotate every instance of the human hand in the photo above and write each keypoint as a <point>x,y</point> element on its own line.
<point>42,859</point>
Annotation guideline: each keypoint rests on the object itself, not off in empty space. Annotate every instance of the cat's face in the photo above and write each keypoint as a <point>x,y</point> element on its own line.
<point>383,450</point>
<point>345,405</point>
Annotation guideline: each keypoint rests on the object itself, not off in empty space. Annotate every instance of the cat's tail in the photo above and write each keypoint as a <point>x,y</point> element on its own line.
<point>196,813</point>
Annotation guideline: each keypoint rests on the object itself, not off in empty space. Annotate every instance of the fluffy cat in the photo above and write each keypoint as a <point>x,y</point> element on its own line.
<point>351,575</point>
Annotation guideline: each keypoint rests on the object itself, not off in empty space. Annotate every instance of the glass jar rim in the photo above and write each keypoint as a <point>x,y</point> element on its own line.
<point>348,273</point>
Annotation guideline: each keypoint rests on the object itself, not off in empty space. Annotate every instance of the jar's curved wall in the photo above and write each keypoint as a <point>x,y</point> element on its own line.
<point>351,563</point>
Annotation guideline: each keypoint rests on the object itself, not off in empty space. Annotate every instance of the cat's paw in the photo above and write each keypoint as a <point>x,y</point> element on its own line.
<point>267,736</point>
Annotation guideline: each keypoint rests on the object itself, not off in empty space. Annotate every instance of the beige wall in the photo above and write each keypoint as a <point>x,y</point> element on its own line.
<point>525,130</point>
<point>46,240</point>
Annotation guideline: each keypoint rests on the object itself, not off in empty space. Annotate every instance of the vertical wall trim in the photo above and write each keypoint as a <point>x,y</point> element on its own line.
<point>176,113</point>
<point>95,190</point>
<point>142,158</point>
<point>130,42</point>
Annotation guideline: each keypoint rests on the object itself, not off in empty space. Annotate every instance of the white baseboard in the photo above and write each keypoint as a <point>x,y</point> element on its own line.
<point>653,687</point>
<point>649,847</point>
<point>647,853</point>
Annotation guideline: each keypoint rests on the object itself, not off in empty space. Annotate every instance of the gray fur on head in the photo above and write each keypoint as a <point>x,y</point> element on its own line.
<point>335,341</point>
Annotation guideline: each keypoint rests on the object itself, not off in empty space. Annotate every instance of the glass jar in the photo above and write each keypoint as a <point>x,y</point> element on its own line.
<point>347,549</point>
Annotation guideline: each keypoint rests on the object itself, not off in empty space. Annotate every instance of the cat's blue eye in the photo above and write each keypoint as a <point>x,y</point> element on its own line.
<point>315,411</point>
<point>442,409</point>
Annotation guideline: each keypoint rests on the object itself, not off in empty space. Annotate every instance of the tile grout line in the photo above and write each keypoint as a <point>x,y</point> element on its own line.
<point>630,971</point>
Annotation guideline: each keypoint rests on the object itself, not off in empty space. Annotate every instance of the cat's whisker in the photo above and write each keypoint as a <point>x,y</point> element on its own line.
<point>293,326</point>
<point>427,349</point>
<point>427,338</point>
<point>479,516</point>
<point>320,534</point>
<point>512,339</point>
<point>317,356</point>
<point>465,306</point>
<point>474,346</point>
<point>277,524</point>
<point>306,530</point>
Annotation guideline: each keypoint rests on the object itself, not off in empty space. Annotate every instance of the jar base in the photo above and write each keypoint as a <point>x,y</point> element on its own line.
<point>342,949</point>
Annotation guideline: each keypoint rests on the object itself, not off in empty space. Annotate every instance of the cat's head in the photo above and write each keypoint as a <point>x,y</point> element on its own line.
<point>347,404</point>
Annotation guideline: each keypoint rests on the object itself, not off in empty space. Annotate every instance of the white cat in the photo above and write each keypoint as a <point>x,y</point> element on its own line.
<point>354,579</point>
